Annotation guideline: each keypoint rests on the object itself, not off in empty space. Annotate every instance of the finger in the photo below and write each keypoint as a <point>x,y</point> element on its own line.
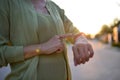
<point>56,36</point>
<point>57,43</point>
<point>59,50</point>
<point>57,46</point>
<point>86,53</point>
<point>82,55</point>
<point>52,50</point>
<point>76,55</point>
<point>91,52</point>
<point>63,36</point>
<point>75,62</point>
<point>54,42</point>
<point>61,45</point>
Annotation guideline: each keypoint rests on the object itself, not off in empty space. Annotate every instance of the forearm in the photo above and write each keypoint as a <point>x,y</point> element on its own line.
<point>32,50</point>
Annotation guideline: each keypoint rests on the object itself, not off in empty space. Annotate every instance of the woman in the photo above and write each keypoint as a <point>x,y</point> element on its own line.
<point>32,40</point>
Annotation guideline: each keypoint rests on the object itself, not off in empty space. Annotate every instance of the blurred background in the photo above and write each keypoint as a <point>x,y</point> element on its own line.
<point>100,21</point>
<point>90,15</point>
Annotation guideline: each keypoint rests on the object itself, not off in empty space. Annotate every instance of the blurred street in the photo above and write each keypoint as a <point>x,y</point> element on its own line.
<point>105,65</point>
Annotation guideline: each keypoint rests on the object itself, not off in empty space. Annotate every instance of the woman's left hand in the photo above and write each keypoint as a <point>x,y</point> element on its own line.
<point>82,51</point>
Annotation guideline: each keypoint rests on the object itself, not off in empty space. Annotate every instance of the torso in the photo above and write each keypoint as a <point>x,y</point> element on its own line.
<point>29,27</point>
<point>56,62</point>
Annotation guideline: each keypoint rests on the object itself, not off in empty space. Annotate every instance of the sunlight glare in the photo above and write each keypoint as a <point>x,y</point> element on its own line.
<point>89,15</point>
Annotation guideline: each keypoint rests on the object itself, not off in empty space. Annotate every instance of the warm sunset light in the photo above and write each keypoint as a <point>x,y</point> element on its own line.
<point>90,15</point>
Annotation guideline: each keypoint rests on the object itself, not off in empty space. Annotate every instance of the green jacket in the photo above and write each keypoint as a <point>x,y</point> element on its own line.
<point>17,29</point>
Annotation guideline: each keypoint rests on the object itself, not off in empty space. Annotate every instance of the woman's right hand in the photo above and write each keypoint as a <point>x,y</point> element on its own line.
<point>52,45</point>
<point>55,44</point>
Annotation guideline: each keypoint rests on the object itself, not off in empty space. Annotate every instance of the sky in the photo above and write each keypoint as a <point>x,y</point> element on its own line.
<point>89,15</point>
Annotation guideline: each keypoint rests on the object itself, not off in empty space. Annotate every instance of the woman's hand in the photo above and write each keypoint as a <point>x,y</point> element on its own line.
<point>82,50</point>
<point>55,44</point>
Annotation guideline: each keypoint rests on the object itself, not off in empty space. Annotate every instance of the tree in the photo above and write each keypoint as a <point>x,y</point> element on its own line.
<point>105,29</point>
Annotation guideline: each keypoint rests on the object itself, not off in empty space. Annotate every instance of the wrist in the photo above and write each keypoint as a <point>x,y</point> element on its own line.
<point>38,49</point>
<point>78,35</point>
<point>81,39</point>
<point>31,51</point>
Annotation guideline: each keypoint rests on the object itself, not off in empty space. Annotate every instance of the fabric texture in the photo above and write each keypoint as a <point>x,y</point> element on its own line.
<point>20,26</point>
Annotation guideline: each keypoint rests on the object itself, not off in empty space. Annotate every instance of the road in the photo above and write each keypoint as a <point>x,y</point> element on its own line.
<point>105,65</point>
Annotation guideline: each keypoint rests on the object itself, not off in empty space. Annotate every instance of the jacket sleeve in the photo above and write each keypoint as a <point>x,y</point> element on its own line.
<point>8,53</point>
<point>68,26</point>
